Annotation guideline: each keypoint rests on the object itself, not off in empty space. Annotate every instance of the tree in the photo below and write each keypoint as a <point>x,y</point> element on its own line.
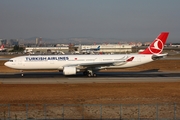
<point>18,49</point>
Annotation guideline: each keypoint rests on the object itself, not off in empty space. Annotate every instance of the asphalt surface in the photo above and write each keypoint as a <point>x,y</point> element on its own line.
<point>102,77</point>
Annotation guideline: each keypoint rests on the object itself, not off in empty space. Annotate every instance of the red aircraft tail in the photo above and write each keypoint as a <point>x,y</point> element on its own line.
<point>156,47</point>
<point>2,46</point>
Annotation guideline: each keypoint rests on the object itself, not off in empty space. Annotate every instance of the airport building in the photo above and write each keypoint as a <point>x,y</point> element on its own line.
<point>81,49</point>
<point>106,48</point>
<point>47,50</point>
<point>38,41</point>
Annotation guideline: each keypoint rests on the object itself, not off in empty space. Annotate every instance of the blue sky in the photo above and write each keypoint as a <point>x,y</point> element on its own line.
<point>129,20</point>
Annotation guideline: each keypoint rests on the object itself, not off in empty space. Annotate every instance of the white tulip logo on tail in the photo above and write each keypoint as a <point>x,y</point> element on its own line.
<point>156,47</point>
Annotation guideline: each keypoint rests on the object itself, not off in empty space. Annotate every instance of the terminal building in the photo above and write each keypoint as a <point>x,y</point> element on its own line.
<point>106,48</point>
<point>47,50</point>
<point>81,49</point>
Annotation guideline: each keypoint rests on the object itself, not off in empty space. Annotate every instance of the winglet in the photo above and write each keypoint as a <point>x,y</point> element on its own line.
<point>156,47</point>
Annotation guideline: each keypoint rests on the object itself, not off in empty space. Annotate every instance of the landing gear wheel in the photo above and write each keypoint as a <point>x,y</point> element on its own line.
<point>94,75</point>
<point>89,75</point>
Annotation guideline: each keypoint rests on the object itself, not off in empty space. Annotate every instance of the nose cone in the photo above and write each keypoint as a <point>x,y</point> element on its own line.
<point>6,64</point>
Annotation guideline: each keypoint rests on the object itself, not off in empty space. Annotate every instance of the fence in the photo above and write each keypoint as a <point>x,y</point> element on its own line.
<point>89,111</point>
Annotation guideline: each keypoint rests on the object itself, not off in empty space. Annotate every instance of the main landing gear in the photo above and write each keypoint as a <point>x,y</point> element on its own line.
<point>89,73</point>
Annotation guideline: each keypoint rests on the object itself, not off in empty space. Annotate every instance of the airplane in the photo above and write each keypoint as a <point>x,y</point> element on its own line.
<point>90,64</point>
<point>90,50</point>
<point>98,48</point>
<point>2,48</point>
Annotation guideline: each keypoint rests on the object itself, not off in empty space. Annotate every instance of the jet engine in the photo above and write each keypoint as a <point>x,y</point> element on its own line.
<point>69,70</point>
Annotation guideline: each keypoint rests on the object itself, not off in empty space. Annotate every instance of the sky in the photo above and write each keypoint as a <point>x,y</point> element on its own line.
<point>129,20</point>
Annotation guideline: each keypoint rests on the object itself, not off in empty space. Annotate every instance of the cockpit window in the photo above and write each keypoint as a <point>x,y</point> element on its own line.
<point>10,60</point>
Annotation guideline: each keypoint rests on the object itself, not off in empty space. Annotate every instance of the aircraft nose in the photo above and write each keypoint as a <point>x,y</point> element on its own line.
<point>6,64</point>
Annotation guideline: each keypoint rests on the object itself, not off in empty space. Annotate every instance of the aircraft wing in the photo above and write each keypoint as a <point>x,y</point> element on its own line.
<point>101,64</point>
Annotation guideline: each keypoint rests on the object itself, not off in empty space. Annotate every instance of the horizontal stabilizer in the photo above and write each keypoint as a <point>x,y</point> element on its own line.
<point>159,56</point>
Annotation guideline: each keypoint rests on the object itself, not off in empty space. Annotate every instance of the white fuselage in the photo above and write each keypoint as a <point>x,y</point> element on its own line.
<point>58,62</point>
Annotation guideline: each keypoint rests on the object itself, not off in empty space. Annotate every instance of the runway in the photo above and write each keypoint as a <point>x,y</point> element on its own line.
<point>103,77</point>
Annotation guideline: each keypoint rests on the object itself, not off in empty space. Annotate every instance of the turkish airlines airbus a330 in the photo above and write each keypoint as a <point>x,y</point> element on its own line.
<point>90,64</point>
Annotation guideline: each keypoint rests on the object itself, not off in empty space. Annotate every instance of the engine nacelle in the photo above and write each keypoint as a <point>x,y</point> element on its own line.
<point>69,70</point>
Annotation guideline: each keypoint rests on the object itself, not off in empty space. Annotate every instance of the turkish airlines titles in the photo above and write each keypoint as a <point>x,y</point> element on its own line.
<point>45,58</point>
